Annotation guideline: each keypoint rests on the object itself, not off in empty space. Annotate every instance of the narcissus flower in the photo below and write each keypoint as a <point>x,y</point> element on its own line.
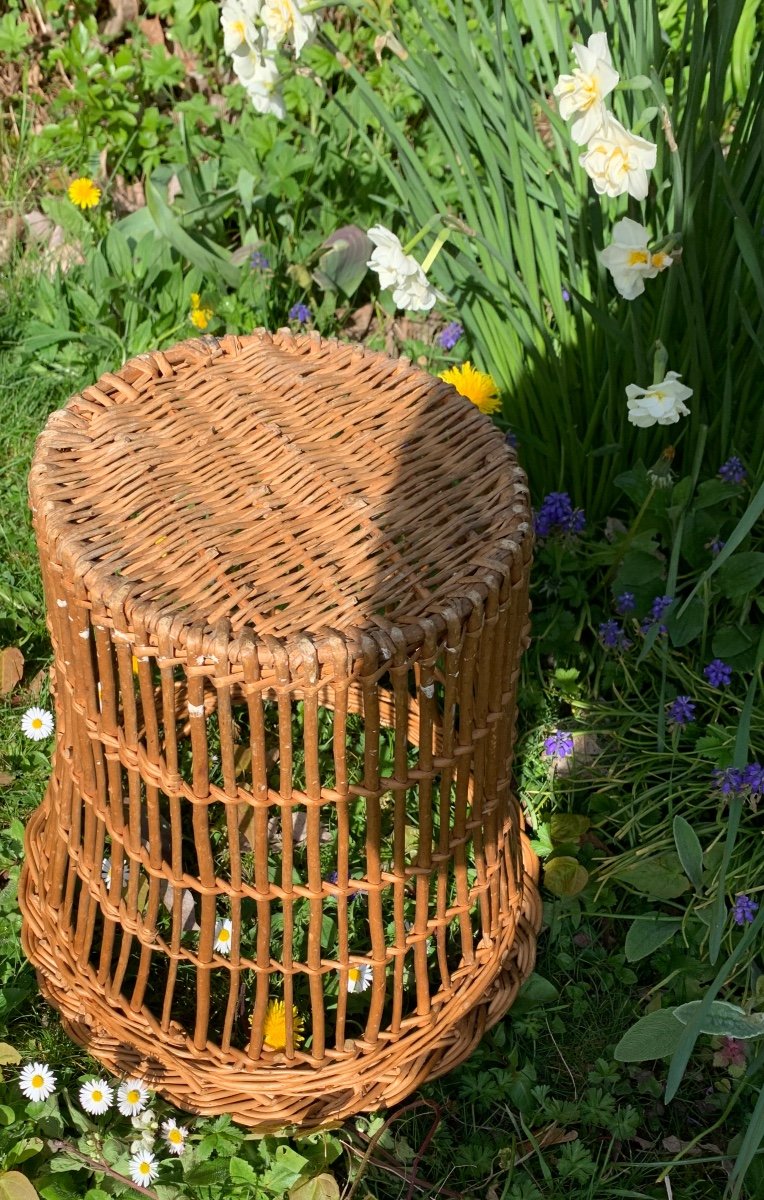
<point>660,403</point>
<point>84,193</point>
<point>284,17</point>
<point>132,1097</point>
<point>96,1096</point>
<point>400,272</point>
<point>37,724</point>
<point>475,385</point>
<point>584,91</point>
<point>143,1168</point>
<point>628,259</point>
<point>617,161</point>
<point>359,978</point>
<point>260,76</point>
<point>274,1026</point>
<point>237,19</point>
<point>223,937</point>
<point>37,1081</point>
<point>175,1135</point>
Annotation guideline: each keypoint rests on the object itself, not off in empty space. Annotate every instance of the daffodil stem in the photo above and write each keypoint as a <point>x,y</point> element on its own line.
<point>435,249</point>
<point>428,225</point>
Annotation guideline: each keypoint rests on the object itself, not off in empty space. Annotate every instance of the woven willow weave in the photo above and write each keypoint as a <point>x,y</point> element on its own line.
<point>279,870</point>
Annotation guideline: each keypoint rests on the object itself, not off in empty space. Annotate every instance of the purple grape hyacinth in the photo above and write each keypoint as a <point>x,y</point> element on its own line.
<point>732,471</point>
<point>728,780</point>
<point>681,711</point>
<point>718,673</point>
<point>753,778</point>
<point>558,745</point>
<point>300,312</point>
<point>259,261</point>
<point>612,636</point>
<point>744,909</point>
<point>625,603</point>
<point>449,335</point>
<point>557,515</point>
<point>659,606</point>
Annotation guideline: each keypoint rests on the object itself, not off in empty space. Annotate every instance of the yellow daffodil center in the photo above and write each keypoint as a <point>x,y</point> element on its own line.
<point>638,258</point>
<point>238,27</point>
<point>590,90</point>
<point>36,723</point>
<point>37,1081</point>
<point>96,1096</point>
<point>474,385</point>
<point>661,260</point>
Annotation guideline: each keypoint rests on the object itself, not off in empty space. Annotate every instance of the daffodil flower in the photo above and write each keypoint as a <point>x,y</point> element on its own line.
<point>628,259</point>
<point>617,161</point>
<point>584,91</point>
<point>660,404</point>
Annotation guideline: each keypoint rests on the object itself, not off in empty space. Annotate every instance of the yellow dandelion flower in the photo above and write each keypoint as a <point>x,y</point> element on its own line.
<point>475,385</point>
<point>274,1026</point>
<point>199,315</point>
<point>84,193</point>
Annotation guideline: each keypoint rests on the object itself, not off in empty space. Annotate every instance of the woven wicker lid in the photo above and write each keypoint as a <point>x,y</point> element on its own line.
<point>285,483</point>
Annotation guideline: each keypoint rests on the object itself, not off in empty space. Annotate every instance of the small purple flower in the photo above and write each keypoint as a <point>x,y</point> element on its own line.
<point>681,711</point>
<point>449,335</point>
<point>258,261</point>
<point>557,515</point>
<point>744,909</point>
<point>659,606</point>
<point>565,295</point>
<point>625,603</point>
<point>753,778</point>
<point>332,877</point>
<point>732,471</point>
<point>718,673</point>
<point>559,745</point>
<point>511,439</point>
<point>728,780</point>
<point>613,637</point>
<point>716,546</point>
<point>300,312</point>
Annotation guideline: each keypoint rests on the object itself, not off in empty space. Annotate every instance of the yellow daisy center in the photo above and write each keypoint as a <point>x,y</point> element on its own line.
<point>638,258</point>
<point>355,974</point>
<point>144,1168</point>
<point>96,1096</point>
<point>133,1096</point>
<point>224,935</point>
<point>37,1081</point>
<point>175,1136</point>
<point>36,723</point>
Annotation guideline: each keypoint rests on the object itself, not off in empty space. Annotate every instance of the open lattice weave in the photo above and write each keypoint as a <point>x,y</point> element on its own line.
<point>279,870</point>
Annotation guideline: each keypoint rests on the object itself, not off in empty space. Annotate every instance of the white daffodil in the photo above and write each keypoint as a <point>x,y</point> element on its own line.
<point>223,936</point>
<point>261,78</point>
<point>659,404</point>
<point>400,272</point>
<point>359,978</point>
<point>132,1097</point>
<point>37,724</point>
<point>96,1096</point>
<point>584,91</point>
<point>240,33</point>
<point>284,17</point>
<point>37,1081</point>
<point>617,161</point>
<point>628,259</point>
<point>143,1168</point>
<point>175,1135</point>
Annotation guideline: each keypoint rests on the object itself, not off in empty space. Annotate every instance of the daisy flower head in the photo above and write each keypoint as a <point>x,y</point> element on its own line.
<point>143,1168</point>
<point>359,978</point>
<point>274,1026</point>
<point>37,1081</point>
<point>96,1096</point>
<point>132,1097</point>
<point>175,1135</point>
<point>83,192</point>
<point>37,724</point>
<point>223,936</point>
<point>474,385</point>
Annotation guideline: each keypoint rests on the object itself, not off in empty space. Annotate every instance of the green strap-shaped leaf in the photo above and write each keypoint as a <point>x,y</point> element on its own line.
<point>214,263</point>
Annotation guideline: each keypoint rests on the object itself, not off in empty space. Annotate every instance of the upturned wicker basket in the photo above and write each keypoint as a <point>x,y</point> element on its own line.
<point>279,870</point>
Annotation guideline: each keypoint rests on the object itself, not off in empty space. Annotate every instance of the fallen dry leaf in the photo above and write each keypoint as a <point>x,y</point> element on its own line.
<point>11,669</point>
<point>551,1136</point>
<point>5,779</point>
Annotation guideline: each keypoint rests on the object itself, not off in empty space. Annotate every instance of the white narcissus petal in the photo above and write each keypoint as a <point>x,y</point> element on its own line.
<point>660,404</point>
<point>400,272</point>
<point>617,161</point>
<point>585,90</point>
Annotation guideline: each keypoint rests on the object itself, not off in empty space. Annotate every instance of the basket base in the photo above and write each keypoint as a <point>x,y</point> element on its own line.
<point>277,1096</point>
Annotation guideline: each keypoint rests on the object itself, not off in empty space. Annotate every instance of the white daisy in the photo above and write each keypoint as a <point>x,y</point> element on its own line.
<point>96,1096</point>
<point>223,936</point>
<point>359,978</point>
<point>143,1168</point>
<point>37,1081</point>
<point>132,1097</point>
<point>106,872</point>
<point>37,724</point>
<point>175,1135</point>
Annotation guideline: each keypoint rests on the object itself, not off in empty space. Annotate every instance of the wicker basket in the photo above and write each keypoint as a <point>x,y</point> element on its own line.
<point>279,871</point>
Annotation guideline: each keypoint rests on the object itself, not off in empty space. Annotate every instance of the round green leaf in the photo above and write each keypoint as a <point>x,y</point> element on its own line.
<point>565,876</point>
<point>15,1186</point>
<point>321,1187</point>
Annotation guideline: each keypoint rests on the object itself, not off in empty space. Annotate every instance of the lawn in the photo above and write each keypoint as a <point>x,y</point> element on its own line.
<point>569,198</point>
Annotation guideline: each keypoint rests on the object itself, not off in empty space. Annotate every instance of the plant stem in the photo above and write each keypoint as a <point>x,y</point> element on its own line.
<point>101,1167</point>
